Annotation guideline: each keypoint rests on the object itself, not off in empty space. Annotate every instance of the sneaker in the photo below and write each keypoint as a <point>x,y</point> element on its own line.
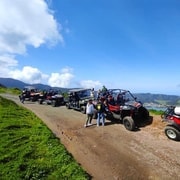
<point>85,125</point>
<point>97,125</point>
<point>89,124</point>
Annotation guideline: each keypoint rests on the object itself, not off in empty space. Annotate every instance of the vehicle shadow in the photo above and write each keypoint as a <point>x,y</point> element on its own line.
<point>147,122</point>
<point>28,102</point>
<point>111,122</point>
<point>108,122</point>
<point>144,123</point>
<point>139,125</point>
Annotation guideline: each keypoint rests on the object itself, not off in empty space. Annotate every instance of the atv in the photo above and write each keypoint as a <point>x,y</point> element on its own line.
<point>172,116</point>
<point>53,98</point>
<point>124,106</point>
<point>78,99</point>
<point>29,93</point>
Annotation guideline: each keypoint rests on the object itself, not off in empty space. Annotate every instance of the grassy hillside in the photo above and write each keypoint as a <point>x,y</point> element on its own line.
<point>15,91</point>
<point>29,150</point>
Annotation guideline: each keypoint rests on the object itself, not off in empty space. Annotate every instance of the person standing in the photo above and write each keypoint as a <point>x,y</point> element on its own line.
<point>89,112</point>
<point>92,93</point>
<point>100,107</point>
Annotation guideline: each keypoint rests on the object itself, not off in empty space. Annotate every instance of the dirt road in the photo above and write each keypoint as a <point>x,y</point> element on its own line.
<point>111,152</point>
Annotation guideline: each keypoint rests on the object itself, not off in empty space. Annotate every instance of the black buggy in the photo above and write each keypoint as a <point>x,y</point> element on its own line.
<point>29,93</point>
<point>78,99</point>
<point>51,97</point>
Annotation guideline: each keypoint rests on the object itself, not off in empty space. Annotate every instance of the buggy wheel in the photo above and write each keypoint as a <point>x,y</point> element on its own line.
<point>54,104</point>
<point>83,109</point>
<point>40,101</point>
<point>129,123</point>
<point>68,106</point>
<point>172,133</point>
<point>33,98</point>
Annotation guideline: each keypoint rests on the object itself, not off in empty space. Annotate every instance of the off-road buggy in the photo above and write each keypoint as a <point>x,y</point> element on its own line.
<point>51,97</point>
<point>29,93</point>
<point>124,106</point>
<point>78,99</point>
<point>172,116</point>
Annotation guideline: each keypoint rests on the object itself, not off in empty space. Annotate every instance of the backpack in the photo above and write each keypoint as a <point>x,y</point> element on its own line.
<point>99,106</point>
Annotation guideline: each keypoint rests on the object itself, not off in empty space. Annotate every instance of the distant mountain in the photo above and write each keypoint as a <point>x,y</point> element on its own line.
<point>158,98</point>
<point>143,97</point>
<point>2,86</point>
<point>13,83</point>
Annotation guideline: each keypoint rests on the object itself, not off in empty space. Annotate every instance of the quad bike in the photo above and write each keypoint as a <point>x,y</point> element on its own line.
<point>172,116</point>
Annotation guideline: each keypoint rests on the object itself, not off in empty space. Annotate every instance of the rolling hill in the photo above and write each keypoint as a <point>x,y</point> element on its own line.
<point>13,83</point>
<point>143,97</point>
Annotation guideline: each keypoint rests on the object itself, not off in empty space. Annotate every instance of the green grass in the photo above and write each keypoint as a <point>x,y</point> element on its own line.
<point>29,150</point>
<point>155,112</point>
<point>15,91</point>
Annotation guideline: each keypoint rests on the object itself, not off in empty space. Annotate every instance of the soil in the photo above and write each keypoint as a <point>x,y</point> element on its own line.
<point>112,152</point>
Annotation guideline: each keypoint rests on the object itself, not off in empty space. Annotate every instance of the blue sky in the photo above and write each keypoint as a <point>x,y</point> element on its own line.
<point>128,44</point>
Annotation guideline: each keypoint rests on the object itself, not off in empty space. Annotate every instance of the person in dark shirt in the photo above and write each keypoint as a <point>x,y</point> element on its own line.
<point>100,107</point>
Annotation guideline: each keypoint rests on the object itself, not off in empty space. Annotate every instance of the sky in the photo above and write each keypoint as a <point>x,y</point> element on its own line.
<point>126,44</point>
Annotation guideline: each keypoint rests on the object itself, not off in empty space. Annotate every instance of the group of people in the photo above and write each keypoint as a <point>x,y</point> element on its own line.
<point>100,108</point>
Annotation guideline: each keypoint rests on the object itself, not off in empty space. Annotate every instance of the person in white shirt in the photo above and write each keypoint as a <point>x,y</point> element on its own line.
<point>89,112</point>
<point>92,93</point>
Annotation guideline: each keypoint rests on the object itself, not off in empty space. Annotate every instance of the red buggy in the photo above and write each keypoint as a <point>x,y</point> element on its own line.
<point>125,107</point>
<point>172,116</point>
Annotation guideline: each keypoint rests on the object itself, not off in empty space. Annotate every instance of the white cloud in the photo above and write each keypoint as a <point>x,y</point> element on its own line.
<point>33,75</point>
<point>7,63</point>
<point>90,84</point>
<point>62,79</point>
<point>25,23</point>
<point>29,75</point>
